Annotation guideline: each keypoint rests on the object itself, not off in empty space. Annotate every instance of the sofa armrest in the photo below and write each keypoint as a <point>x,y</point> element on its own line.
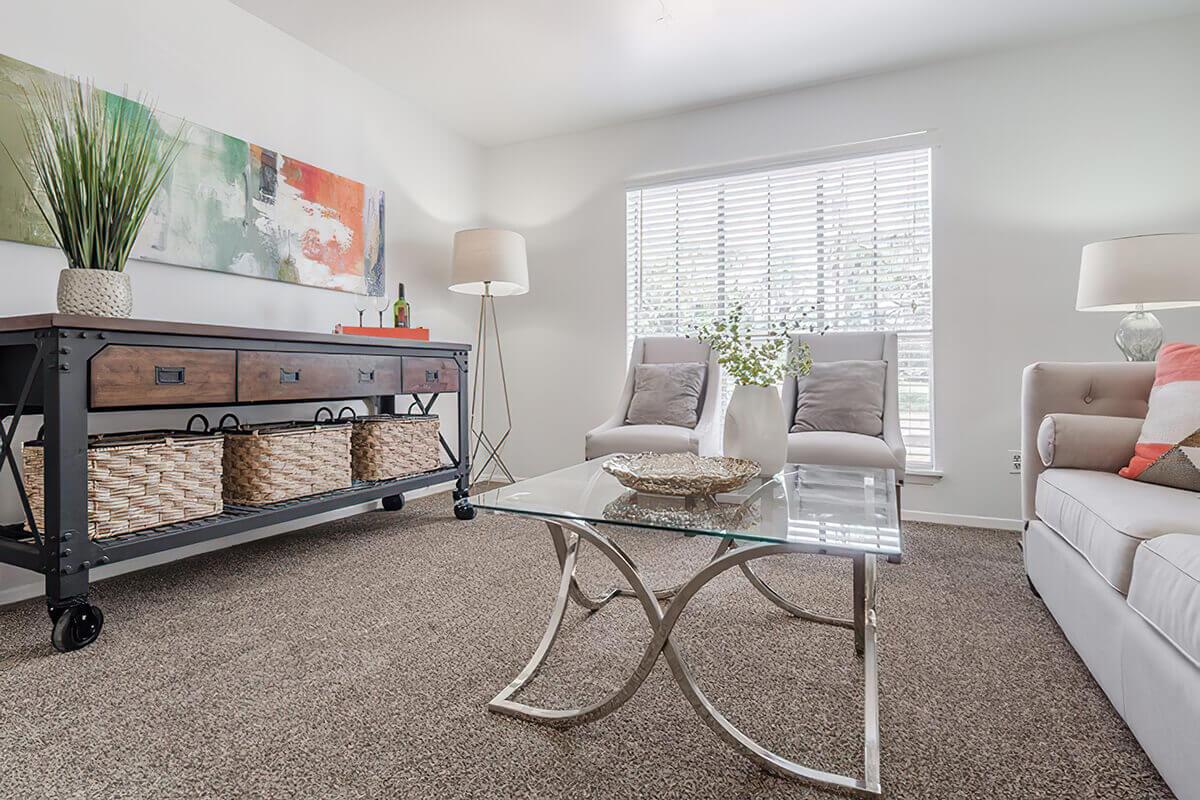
<point>1116,389</point>
<point>1087,441</point>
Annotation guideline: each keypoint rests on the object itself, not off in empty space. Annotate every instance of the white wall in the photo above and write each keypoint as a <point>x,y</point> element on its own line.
<point>1041,151</point>
<point>223,68</point>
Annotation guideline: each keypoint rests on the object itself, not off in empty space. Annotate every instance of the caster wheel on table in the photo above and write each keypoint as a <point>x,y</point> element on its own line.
<point>77,627</point>
<point>393,502</point>
<point>464,511</point>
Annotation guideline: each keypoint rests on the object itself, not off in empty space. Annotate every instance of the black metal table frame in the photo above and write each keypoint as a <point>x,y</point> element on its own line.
<point>60,356</point>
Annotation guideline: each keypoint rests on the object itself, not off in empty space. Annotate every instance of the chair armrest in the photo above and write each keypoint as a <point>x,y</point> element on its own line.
<point>705,436</point>
<point>1115,389</point>
<point>895,442</point>
<point>614,421</point>
<point>892,436</point>
<point>1087,441</point>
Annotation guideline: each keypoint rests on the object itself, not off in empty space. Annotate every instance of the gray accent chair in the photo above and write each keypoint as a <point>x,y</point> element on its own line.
<point>839,448</point>
<point>1116,561</point>
<point>614,436</point>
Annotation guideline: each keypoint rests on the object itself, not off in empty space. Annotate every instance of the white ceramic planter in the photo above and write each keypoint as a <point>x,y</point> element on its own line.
<point>95,293</point>
<point>755,427</point>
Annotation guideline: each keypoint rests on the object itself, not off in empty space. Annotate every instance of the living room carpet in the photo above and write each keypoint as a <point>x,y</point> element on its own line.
<point>355,658</point>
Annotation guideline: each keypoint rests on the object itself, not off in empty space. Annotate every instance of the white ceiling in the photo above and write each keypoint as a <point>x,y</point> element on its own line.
<point>500,71</point>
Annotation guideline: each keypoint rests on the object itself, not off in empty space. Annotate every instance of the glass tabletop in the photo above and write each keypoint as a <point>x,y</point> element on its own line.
<point>839,510</point>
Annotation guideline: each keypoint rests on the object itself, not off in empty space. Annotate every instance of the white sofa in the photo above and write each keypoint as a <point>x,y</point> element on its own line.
<point>1117,562</point>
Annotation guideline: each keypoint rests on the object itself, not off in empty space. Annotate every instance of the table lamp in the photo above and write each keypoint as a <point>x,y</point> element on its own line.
<point>1140,274</point>
<point>490,263</point>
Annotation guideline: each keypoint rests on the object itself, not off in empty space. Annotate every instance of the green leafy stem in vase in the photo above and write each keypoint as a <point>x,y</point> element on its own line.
<point>754,359</point>
<point>97,161</point>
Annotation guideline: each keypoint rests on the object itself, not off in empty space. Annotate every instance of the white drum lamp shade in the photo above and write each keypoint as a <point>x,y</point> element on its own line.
<point>1150,272</point>
<point>1140,275</point>
<point>489,261</point>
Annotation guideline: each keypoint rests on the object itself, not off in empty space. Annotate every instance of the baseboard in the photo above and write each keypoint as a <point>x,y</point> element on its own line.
<point>34,586</point>
<point>966,520</point>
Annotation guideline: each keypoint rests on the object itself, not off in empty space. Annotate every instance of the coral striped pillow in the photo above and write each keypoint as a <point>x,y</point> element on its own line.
<point>1168,451</point>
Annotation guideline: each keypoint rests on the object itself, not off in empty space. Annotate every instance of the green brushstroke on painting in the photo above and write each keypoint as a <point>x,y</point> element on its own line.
<point>20,220</point>
<point>224,206</point>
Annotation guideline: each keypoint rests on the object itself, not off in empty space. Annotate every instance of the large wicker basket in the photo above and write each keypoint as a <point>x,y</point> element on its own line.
<point>139,481</point>
<point>389,446</point>
<point>267,464</point>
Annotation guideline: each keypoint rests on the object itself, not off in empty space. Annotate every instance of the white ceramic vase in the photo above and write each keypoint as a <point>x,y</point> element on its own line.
<point>755,427</point>
<point>95,293</point>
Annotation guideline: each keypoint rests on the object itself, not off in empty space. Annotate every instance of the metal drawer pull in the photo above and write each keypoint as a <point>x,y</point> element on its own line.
<point>366,375</point>
<point>431,375</point>
<point>170,376</point>
<point>289,375</point>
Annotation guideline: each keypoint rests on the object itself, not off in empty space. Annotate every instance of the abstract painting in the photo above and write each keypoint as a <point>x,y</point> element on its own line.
<point>227,205</point>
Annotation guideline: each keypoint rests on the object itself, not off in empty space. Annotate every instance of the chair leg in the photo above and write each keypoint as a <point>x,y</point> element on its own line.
<point>899,522</point>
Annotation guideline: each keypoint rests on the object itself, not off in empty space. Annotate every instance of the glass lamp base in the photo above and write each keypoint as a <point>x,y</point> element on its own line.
<point>1139,336</point>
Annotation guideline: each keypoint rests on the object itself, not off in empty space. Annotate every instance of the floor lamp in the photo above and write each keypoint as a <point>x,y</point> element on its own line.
<point>490,263</point>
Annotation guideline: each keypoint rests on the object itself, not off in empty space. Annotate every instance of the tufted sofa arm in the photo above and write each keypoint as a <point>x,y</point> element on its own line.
<point>1115,389</point>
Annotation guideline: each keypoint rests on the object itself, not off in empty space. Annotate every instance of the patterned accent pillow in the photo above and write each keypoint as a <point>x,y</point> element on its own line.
<point>1168,451</point>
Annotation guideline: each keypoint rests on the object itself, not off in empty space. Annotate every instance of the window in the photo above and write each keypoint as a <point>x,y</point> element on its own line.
<point>841,245</point>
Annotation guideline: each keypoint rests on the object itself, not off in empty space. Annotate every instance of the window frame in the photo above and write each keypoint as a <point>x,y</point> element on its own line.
<point>920,140</point>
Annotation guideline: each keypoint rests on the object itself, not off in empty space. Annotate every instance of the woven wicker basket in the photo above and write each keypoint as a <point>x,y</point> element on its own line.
<point>271,463</point>
<point>391,446</point>
<point>139,481</point>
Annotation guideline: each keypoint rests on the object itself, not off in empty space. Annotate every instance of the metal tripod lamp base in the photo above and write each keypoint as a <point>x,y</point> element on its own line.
<point>489,445</point>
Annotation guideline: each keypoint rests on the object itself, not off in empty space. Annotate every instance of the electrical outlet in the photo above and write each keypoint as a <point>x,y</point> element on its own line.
<point>1014,462</point>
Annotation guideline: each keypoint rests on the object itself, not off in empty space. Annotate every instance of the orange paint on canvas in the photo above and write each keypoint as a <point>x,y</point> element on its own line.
<point>341,198</point>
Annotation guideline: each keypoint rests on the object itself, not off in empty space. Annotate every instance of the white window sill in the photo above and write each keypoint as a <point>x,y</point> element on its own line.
<point>922,477</point>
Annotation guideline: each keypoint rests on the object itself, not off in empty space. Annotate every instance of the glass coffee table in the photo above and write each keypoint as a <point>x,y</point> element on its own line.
<point>842,512</point>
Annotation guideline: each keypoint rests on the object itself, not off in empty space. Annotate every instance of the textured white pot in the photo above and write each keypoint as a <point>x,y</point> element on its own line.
<point>95,293</point>
<point>755,427</point>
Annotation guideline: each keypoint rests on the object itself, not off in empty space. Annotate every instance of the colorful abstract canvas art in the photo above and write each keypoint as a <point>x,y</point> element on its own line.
<point>227,205</point>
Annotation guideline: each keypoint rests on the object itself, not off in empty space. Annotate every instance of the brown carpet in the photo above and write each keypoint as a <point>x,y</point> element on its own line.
<point>354,660</point>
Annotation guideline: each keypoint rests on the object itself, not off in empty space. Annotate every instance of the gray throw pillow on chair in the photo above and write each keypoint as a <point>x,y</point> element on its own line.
<point>841,396</point>
<point>666,394</point>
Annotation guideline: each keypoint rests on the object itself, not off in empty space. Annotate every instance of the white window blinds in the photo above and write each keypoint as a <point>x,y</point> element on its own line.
<point>840,245</point>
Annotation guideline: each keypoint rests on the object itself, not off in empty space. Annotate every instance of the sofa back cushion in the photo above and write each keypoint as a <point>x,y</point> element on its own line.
<point>666,394</point>
<point>1168,450</point>
<point>842,396</point>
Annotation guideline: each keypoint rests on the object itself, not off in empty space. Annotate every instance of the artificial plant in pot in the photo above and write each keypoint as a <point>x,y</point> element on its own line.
<point>97,161</point>
<point>755,424</point>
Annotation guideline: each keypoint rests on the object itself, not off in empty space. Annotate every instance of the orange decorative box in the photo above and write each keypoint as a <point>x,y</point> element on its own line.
<point>420,334</point>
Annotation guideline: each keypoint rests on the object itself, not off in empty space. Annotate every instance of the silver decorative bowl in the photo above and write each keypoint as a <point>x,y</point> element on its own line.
<point>680,474</point>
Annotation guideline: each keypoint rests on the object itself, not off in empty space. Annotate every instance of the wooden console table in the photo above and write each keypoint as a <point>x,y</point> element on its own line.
<point>64,367</point>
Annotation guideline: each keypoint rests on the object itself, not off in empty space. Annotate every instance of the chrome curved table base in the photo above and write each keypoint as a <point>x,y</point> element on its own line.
<point>662,621</point>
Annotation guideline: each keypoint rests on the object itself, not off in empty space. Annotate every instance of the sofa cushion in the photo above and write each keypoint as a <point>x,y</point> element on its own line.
<point>839,449</point>
<point>1165,590</point>
<point>1106,517</point>
<point>642,439</point>
<point>666,394</point>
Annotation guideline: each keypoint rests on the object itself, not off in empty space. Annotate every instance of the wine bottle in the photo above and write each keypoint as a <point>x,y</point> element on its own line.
<point>400,310</point>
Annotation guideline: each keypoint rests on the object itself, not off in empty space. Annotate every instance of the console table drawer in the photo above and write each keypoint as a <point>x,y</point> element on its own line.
<point>125,375</point>
<point>265,376</point>
<point>430,375</point>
